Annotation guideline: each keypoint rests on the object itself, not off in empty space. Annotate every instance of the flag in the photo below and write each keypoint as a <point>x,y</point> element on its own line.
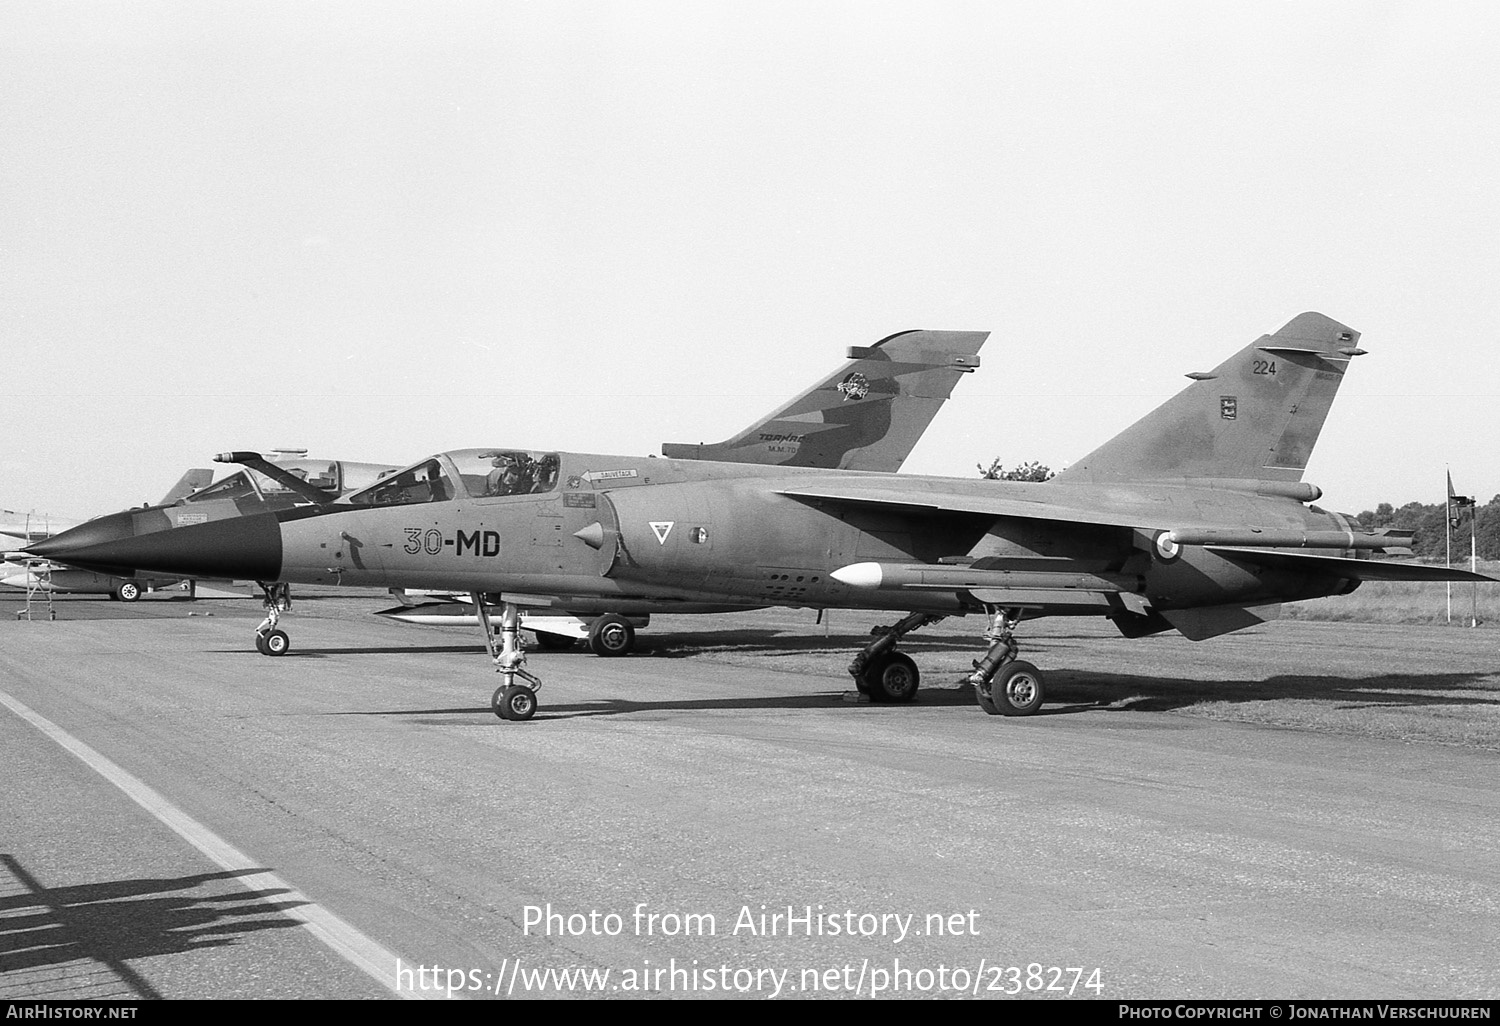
<point>1456,502</point>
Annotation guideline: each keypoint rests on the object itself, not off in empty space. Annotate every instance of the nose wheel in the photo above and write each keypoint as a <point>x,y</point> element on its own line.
<point>514,702</point>
<point>269,639</point>
<point>273,643</point>
<point>515,699</point>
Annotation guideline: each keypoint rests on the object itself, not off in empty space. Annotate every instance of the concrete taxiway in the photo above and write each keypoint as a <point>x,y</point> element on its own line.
<point>702,783</point>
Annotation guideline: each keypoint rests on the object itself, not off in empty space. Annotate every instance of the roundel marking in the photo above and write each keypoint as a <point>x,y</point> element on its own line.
<point>1166,547</point>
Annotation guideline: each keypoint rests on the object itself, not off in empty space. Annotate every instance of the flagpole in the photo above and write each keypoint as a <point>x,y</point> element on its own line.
<point>1448,531</point>
<point>1474,562</point>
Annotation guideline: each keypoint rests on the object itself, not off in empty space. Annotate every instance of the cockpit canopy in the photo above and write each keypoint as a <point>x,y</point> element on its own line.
<point>324,475</point>
<point>480,473</point>
<point>332,477</point>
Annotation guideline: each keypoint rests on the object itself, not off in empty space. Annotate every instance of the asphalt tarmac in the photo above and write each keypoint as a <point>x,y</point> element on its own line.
<point>186,818</point>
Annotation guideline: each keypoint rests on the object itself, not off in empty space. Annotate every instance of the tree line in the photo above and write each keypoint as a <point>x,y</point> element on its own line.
<point>1430,521</point>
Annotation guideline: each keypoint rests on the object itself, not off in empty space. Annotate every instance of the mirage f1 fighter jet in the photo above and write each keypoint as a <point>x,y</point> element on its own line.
<point>1194,519</point>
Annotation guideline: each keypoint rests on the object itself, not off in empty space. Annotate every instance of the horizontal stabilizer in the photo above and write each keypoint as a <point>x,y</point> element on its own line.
<point>1350,569</point>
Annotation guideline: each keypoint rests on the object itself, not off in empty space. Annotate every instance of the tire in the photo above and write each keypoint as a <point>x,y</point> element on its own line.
<point>892,677</point>
<point>128,591</point>
<point>611,636</point>
<point>982,695</point>
<point>260,644</point>
<point>554,642</point>
<point>514,703</point>
<point>276,643</point>
<point>1017,689</point>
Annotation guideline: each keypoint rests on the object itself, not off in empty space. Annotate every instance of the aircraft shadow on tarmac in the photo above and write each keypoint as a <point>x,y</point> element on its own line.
<point>112,923</point>
<point>945,660</point>
<point>1070,692</point>
<point>324,652</point>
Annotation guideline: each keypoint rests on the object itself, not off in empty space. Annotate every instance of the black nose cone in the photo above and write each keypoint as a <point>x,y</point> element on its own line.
<point>240,548</point>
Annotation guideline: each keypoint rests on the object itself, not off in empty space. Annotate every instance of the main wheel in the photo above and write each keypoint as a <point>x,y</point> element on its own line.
<point>982,694</point>
<point>611,635</point>
<point>892,677</point>
<point>554,642</point>
<point>514,703</point>
<point>1017,689</point>
<point>128,591</point>
<point>276,643</point>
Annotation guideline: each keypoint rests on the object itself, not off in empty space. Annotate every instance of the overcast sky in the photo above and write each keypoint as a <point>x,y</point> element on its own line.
<point>380,230</point>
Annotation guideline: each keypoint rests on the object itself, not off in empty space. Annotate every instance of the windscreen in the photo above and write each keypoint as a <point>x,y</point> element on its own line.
<point>321,474</point>
<point>235,486</point>
<point>426,482</point>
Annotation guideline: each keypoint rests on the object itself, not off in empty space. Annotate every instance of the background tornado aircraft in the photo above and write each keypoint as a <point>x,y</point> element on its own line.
<point>1194,518</point>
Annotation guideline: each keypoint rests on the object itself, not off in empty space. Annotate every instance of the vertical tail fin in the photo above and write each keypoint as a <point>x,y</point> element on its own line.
<point>187,485</point>
<point>1255,417</point>
<point>867,415</point>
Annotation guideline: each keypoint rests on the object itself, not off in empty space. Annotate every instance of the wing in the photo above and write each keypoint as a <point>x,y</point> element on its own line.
<point>1351,569</point>
<point>904,497</point>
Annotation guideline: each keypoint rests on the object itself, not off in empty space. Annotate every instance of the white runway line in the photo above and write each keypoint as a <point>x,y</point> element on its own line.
<point>345,940</point>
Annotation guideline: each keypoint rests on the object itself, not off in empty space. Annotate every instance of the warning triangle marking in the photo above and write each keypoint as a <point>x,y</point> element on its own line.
<point>662,529</point>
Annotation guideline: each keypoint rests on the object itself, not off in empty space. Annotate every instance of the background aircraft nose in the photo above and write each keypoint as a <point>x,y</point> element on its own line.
<point>239,548</point>
<point>109,528</point>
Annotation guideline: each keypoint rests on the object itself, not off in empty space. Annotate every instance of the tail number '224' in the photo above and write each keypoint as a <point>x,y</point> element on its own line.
<point>432,542</point>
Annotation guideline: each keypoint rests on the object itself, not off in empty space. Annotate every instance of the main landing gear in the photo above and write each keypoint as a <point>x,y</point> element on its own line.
<point>516,698</point>
<point>883,673</point>
<point>269,639</point>
<point>608,635</point>
<point>611,635</point>
<point>1005,685</point>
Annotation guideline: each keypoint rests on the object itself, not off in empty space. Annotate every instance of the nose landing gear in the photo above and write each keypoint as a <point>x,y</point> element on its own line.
<point>515,699</point>
<point>270,640</point>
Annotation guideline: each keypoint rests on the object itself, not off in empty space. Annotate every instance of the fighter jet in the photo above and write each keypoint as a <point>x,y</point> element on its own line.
<point>1195,518</point>
<point>867,415</point>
